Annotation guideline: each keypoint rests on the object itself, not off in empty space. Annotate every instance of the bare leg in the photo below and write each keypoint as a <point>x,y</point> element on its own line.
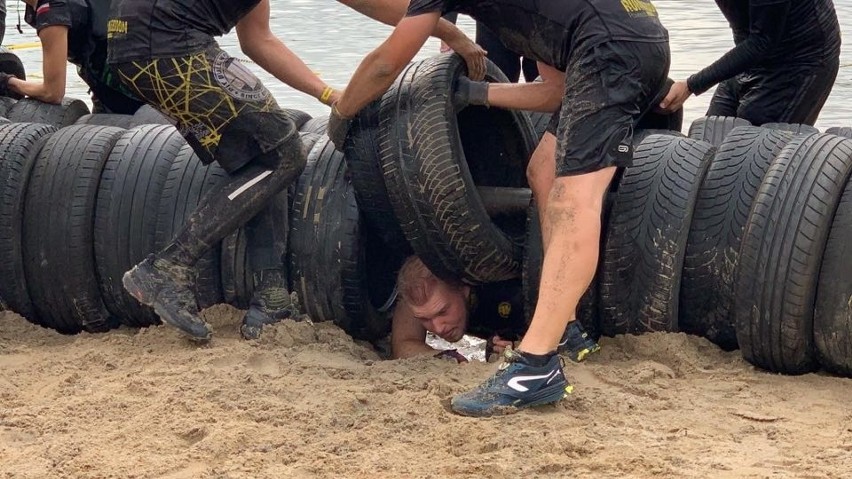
<point>571,228</point>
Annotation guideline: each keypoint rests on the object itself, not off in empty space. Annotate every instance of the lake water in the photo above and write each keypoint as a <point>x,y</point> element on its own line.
<point>332,39</point>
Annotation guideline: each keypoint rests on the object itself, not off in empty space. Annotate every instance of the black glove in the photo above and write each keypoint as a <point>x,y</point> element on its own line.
<point>452,355</point>
<point>469,92</point>
<point>338,128</point>
<point>4,85</point>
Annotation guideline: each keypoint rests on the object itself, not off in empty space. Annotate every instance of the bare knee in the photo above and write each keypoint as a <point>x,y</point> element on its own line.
<point>541,169</point>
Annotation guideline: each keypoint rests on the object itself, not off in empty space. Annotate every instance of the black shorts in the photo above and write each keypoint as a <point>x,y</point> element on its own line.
<point>793,94</point>
<point>204,92</point>
<point>607,90</point>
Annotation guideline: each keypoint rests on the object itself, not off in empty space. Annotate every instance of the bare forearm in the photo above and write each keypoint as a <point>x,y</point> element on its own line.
<point>390,12</point>
<point>38,90</point>
<point>371,79</point>
<point>274,57</point>
<point>536,96</point>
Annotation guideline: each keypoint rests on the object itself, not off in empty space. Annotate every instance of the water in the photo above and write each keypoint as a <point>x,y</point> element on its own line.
<point>332,39</point>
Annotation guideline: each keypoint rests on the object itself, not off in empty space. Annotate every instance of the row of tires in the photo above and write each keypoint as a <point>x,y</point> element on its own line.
<point>732,233</point>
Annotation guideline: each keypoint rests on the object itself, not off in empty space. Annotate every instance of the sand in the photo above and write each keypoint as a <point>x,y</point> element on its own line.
<point>306,401</point>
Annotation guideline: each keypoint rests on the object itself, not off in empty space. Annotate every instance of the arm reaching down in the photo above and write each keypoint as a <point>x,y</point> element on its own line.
<point>54,48</point>
<point>259,43</point>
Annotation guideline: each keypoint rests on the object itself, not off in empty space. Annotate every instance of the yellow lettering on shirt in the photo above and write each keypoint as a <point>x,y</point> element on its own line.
<point>116,28</point>
<point>636,8</point>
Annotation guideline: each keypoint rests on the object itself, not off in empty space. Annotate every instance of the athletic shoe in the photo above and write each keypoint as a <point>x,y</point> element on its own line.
<point>576,343</point>
<point>268,306</point>
<point>165,286</point>
<point>516,385</point>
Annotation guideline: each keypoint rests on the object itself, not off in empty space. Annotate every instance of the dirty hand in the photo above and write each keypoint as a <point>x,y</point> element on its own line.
<point>469,92</point>
<point>452,355</point>
<point>678,94</point>
<point>338,127</point>
<point>498,344</point>
<point>4,84</point>
<point>474,57</point>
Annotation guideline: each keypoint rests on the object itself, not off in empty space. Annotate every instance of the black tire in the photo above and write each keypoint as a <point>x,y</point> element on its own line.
<point>237,283</point>
<point>365,167</point>
<point>797,128</point>
<point>186,183</point>
<point>148,115</point>
<point>539,122</point>
<point>844,131</point>
<point>126,216</point>
<point>309,140</point>
<point>20,144</point>
<point>5,104</point>
<point>327,257</point>
<point>318,125</point>
<point>587,309</point>
<point>11,64</point>
<point>782,250</point>
<point>646,240</point>
<point>641,134</point>
<point>299,117</point>
<point>434,157</point>
<point>833,311</point>
<point>712,250</point>
<point>714,129</point>
<point>60,116</point>
<point>106,119</point>
<point>59,261</point>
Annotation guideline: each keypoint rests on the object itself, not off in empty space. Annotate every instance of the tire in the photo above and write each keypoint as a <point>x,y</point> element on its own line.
<point>797,128</point>
<point>20,144</point>
<point>844,131</point>
<point>646,239</point>
<point>187,181</point>
<point>309,140</point>
<point>126,216</point>
<point>299,117</point>
<point>59,261</point>
<point>327,258</point>
<point>714,129</point>
<point>539,121</point>
<point>712,250</point>
<point>318,125</point>
<point>833,312</point>
<point>641,134</point>
<point>237,284</point>
<point>106,119</point>
<point>5,104</point>
<point>148,115</point>
<point>60,116</point>
<point>433,158</point>
<point>11,64</point>
<point>782,250</point>
<point>587,309</point>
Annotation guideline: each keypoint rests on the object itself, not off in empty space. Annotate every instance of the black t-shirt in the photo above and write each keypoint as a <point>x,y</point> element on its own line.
<point>497,308</point>
<point>550,31</point>
<point>771,34</point>
<point>144,29</point>
<point>73,14</point>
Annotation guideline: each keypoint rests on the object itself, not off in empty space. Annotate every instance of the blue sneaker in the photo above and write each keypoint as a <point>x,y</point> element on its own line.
<point>516,385</point>
<point>576,343</point>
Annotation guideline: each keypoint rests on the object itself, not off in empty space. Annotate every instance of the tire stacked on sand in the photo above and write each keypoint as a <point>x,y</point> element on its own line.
<point>648,226</point>
<point>20,144</point>
<point>782,250</point>
<point>329,252</point>
<point>724,200</point>
<point>59,262</point>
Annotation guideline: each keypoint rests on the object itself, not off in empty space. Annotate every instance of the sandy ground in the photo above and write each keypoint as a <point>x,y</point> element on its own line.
<point>305,401</point>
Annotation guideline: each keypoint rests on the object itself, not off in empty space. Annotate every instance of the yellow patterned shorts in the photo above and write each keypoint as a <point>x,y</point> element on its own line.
<point>203,92</point>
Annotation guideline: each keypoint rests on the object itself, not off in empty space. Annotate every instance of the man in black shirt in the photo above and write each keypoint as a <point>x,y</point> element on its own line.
<point>451,309</point>
<point>74,31</point>
<point>782,68</point>
<point>612,57</point>
<point>165,52</point>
